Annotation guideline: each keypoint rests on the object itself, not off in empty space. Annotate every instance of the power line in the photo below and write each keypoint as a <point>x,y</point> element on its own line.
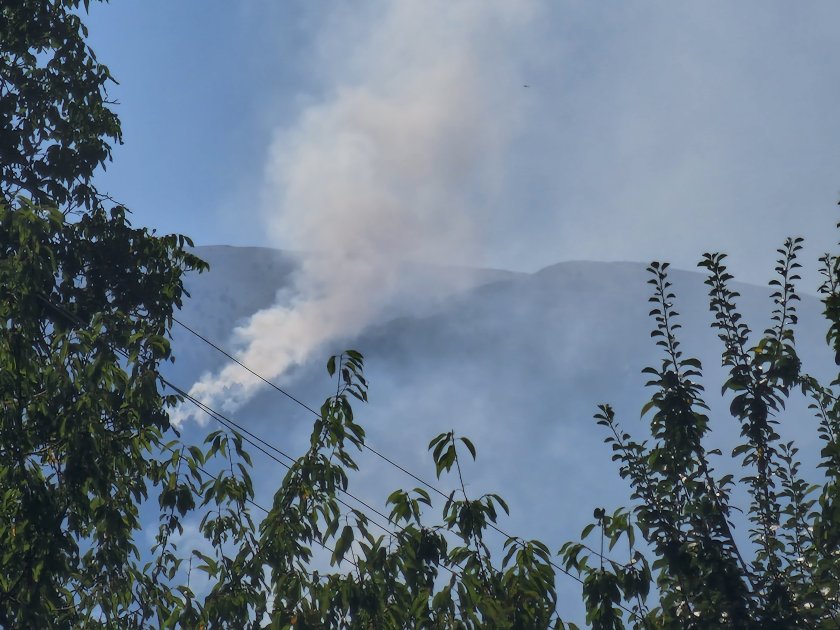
<point>252,439</point>
<point>285,393</point>
<point>261,445</point>
<point>376,452</point>
<point>242,365</point>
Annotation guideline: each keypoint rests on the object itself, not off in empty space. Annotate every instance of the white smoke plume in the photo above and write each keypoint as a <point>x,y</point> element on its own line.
<point>397,162</point>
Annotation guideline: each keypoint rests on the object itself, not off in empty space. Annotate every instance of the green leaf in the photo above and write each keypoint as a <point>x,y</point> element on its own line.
<point>469,446</point>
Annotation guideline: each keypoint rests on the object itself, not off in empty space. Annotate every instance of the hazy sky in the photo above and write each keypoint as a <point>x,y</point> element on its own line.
<point>646,130</point>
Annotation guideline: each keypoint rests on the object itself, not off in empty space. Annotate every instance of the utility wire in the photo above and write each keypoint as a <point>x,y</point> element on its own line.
<point>234,426</point>
<point>242,365</point>
<point>285,393</point>
<point>382,456</point>
<point>372,450</point>
<point>263,446</point>
<point>253,440</point>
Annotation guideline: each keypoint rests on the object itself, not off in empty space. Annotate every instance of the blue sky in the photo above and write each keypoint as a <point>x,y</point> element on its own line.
<point>647,130</point>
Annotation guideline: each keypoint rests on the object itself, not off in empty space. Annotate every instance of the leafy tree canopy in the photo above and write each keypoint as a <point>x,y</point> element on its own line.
<point>55,122</point>
<point>86,305</point>
<point>786,576</point>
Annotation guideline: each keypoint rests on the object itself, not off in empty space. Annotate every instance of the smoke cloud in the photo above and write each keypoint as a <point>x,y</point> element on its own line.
<point>397,162</point>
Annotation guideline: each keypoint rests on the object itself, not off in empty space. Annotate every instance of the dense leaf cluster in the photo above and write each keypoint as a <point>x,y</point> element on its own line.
<point>85,307</point>
<point>55,122</point>
<point>84,311</point>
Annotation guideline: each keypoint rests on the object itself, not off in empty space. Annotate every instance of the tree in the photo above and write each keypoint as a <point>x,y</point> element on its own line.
<point>86,304</point>
<point>786,576</point>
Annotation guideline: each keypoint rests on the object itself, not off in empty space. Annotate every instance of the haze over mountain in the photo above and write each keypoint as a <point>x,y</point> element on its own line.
<point>517,362</point>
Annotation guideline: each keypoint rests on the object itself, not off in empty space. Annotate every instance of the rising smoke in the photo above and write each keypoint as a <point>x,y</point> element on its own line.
<point>397,162</point>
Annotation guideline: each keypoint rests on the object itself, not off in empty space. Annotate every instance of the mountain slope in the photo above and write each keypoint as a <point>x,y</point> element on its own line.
<point>517,362</point>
